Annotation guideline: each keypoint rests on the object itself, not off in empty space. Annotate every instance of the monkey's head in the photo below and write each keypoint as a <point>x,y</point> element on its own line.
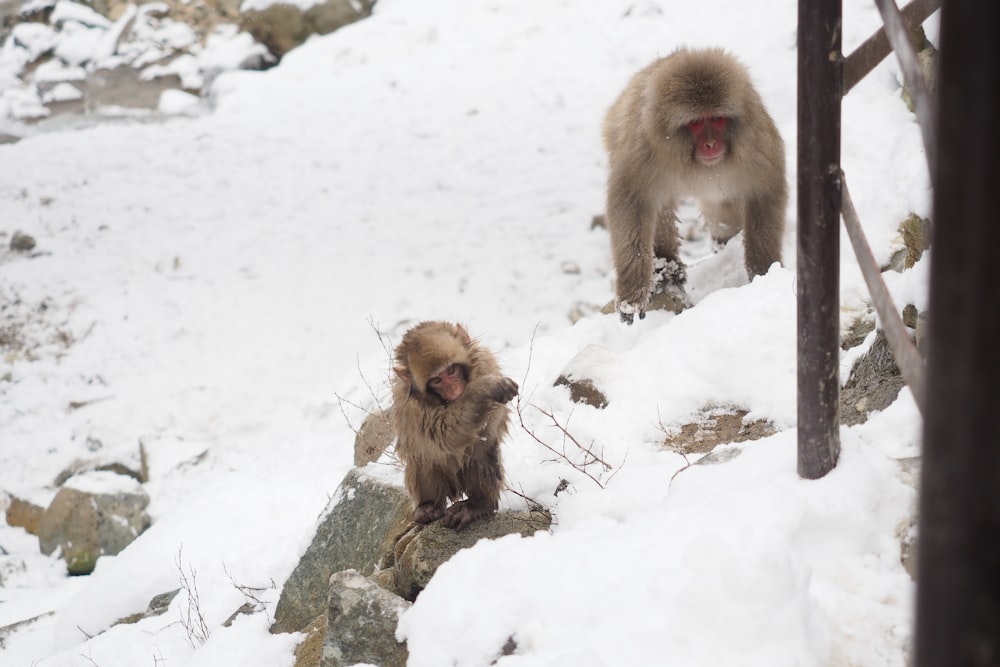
<point>434,359</point>
<point>697,103</point>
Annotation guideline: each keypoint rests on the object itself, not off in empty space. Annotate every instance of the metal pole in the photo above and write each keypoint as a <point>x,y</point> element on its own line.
<point>818,278</point>
<point>958,579</point>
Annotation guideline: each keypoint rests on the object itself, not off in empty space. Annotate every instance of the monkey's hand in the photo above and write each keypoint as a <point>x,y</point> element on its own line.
<point>503,390</point>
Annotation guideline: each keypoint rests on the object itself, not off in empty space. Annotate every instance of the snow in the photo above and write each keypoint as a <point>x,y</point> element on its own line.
<point>229,282</point>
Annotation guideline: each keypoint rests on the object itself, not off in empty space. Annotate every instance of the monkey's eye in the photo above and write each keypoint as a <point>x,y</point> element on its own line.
<point>436,380</point>
<point>719,122</point>
<point>697,124</point>
<point>451,370</point>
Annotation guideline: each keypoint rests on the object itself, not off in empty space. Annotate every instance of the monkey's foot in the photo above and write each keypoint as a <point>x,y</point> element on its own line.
<point>668,272</point>
<point>462,513</point>
<point>628,310</point>
<point>427,512</point>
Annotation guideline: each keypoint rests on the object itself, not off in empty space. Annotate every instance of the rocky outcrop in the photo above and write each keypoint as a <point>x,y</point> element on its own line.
<point>95,514</point>
<point>366,562</point>
<point>158,56</point>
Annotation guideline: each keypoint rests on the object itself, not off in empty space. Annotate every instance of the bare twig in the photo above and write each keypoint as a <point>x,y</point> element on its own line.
<point>384,341</point>
<point>590,457</point>
<point>193,621</point>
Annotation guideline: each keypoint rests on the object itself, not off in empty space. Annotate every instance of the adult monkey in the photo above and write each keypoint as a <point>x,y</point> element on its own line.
<point>690,124</point>
<point>449,414</point>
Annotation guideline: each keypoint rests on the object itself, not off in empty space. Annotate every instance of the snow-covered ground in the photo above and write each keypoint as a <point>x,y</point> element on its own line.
<point>229,283</point>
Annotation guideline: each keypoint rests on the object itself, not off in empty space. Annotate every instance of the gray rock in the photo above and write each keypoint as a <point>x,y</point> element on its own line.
<point>101,514</point>
<point>356,528</point>
<point>361,623</point>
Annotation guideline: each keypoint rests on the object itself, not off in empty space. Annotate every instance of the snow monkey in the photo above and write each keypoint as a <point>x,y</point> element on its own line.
<point>690,125</point>
<point>450,415</point>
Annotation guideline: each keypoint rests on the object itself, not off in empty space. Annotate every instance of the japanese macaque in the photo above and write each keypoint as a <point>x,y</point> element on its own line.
<point>690,124</point>
<point>449,411</point>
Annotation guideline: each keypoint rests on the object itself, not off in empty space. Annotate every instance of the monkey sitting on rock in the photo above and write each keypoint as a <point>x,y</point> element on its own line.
<point>449,413</point>
<point>690,124</point>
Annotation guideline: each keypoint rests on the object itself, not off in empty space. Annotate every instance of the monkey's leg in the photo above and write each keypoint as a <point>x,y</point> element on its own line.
<point>429,488</point>
<point>668,269</point>
<point>669,272</point>
<point>482,478</point>
<point>763,229</point>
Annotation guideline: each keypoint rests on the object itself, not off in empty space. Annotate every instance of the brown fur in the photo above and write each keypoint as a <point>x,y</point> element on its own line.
<point>652,165</point>
<point>450,449</point>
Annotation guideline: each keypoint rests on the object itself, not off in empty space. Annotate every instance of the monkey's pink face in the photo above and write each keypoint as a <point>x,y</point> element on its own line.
<point>449,383</point>
<point>709,139</point>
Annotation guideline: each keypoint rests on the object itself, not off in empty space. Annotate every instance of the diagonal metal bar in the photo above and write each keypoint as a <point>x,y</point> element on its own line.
<point>899,38</point>
<point>874,49</point>
<point>907,357</point>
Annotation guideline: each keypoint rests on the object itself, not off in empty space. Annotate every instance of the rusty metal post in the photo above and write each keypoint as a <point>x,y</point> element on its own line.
<point>820,63</point>
<point>958,579</point>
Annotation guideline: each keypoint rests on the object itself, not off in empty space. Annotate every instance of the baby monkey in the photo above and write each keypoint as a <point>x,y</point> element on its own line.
<point>449,412</point>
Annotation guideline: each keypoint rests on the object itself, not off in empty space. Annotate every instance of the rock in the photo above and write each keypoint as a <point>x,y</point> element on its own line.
<point>419,552</point>
<point>24,514</point>
<point>361,623</point>
<point>916,235</point>
<point>375,434</point>
<point>81,466</point>
<point>583,391</point>
<point>357,527</point>
<point>157,607</point>
<point>281,27</point>
<point>585,373</point>
<point>21,242</point>
<point>94,514</point>
<point>717,426</point>
<point>873,384</point>
<point>309,651</point>
<point>859,329</point>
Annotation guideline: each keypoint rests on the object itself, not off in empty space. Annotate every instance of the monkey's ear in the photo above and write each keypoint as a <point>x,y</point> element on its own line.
<point>404,373</point>
<point>462,335</point>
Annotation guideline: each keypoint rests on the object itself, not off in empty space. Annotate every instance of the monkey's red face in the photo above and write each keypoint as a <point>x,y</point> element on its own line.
<point>449,383</point>
<point>709,139</point>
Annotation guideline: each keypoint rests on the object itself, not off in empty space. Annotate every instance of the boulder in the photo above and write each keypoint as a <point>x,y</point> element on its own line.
<point>95,514</point>
<point>361,623</point>
<point>356,528</point>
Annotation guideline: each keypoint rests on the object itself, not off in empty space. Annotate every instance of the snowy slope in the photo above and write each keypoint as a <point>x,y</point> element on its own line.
<point>226,278</point>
